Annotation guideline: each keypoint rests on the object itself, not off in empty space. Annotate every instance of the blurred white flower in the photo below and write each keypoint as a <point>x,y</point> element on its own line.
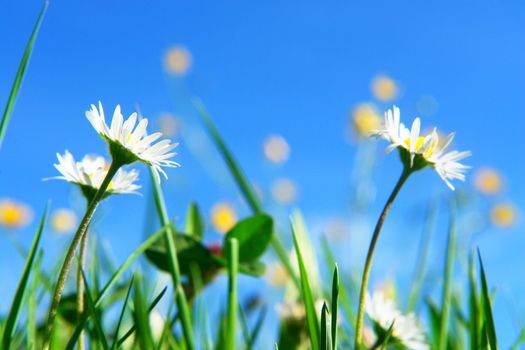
<point>276,149</point>
<point>156,322</point>
<point>427,150</point>
<point>407,328</point>
<point>91,171</point>
<point>130,143</point>
<point>284,191</point>
<point>384,88</point>
<point>177,60</point>
<point>64,220</point>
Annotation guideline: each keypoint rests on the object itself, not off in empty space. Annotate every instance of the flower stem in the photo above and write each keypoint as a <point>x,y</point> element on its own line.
<point>66,266</point>
<point>80,285</point>
<point>368,263</point>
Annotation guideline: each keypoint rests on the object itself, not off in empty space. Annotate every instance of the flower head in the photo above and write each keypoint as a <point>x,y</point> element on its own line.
<point>503,215</point>
<point>417,151</point>
<point>129,142</point>
<point>407,328</point>
<point>223,217</point>
<point>90,173</point>
<point>488,181</point>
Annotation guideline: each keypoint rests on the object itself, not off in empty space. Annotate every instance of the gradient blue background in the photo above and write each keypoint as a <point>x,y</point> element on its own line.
<point>293,69</point>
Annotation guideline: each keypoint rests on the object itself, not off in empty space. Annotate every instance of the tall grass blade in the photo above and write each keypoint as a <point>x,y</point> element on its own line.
<point>20,73</point>
<point>308,297</point>
<point>447,286</point>
<point>32,340</point>
<point>97,322</point>
<point>246,189</point>
<point>326,333</point>
<point>16,305</point>
<point>388,335</point>
<point>474,322</point>
<point>121,317</point>
<point>335,306</point>
<point>487,308</point>
<point>233,266</point>
<point>194,221</point>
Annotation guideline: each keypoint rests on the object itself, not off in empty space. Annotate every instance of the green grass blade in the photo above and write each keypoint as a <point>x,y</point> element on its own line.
<point>97,322</point>
<point>114,278</point>
<point>326,333</point>
<point>474,322</point>
<point>121,317</point>
<point>387,336</point>
<point>335,306</point>
<point>150,308</point>
<point>521,339</point>
<point>487,308</point>
<point>308,297</point>
<point>141,317</point>
<point>16,305</point>
<point>257,328</point>
<point>246,189</point>
<point>233,266</point>
<point>32,340</point>
<point>20,73</point>
<point>447,285</point>
<point>194,221</point>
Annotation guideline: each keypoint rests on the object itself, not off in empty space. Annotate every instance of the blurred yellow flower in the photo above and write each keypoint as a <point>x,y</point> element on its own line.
<point>64,220</point>
<point>277,275</point>
<point>223,217</point>
<point>169,125</point>
<point>388,288</point>
<point>365,119</point>
<point>384,88</point>
<point>177,60</point>
<point>284,191</point>
<point>503,215</point>
<point>156,322</point>
<point>488,181</point>
<point>276,149</point>
<point>14,214</point>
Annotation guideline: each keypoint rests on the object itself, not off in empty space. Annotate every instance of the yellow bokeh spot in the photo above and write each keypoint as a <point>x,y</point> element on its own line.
<point>64,220</point>
<point>276,149</point>
<point>365,119</point>
<point>503,215</point>
<point>488,181</point>
<point>177,60</point>
<point>223,217</point>
<point>284,191</point>
<point>384,88</point>
<point>14,214</point>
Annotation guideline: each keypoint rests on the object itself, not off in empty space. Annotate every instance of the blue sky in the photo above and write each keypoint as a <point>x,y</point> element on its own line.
<point>262,68</point>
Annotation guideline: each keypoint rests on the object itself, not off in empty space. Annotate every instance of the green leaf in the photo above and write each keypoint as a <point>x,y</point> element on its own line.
<point>449,265</point>
<point>254,234</point>
<point>16,305</point>
<point>308,297</point>
<point>141,317</point>
<point>335,306</point>
<point>194,221</point>
<point>246,189</point>
<point>475,323</point>
<point>487,308</point>
<point>326,333</point>
<point>386,338</point>
<point>20,73</point>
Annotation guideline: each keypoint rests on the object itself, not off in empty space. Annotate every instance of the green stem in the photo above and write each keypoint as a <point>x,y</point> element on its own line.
<point>180,296</point>
<point>66,266</point>
<point>233,266</point>
<point>368,263</point>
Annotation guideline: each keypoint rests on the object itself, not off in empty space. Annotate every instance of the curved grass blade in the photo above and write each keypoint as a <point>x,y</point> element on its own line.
<point>246,189</point>
<point>94,313</point>
<point>121,317</point>
<point>141,316</point>
<point>257,328</point>
<point>145,245</point>
<point>447,287</point>
<point>475,324</point>
<point>20,73</point>
<point>194,221</point>
<point>335,305</point>
<point>490,329</point>
<point>16,305</point>
<point>32,340</point>
<point>388,335</point>
<point>308,297</point>
<point>326,333</point>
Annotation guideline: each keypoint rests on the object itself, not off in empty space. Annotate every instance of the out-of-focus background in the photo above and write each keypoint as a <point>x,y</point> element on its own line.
<point>290,86</point>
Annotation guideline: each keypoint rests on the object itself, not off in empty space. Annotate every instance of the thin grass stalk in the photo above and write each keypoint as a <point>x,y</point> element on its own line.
<point>233,267</point>
<point>368,263</point>
<point>80,286</point>
<point>66,266</point>
<point>180,296</point>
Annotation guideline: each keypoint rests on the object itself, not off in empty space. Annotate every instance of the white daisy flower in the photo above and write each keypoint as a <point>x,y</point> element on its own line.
<point>422,150</point>
<point>90,173</point>
<point>128,140</point>
<point>407,330</point>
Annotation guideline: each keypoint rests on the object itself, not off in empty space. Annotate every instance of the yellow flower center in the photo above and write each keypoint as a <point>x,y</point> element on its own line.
<point>503,215</point>
<point>419,143</point>
<point>223,217</point>
<point>13,215</point>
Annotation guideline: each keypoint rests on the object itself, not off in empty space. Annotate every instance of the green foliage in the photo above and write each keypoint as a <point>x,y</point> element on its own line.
<point>253,234</point>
